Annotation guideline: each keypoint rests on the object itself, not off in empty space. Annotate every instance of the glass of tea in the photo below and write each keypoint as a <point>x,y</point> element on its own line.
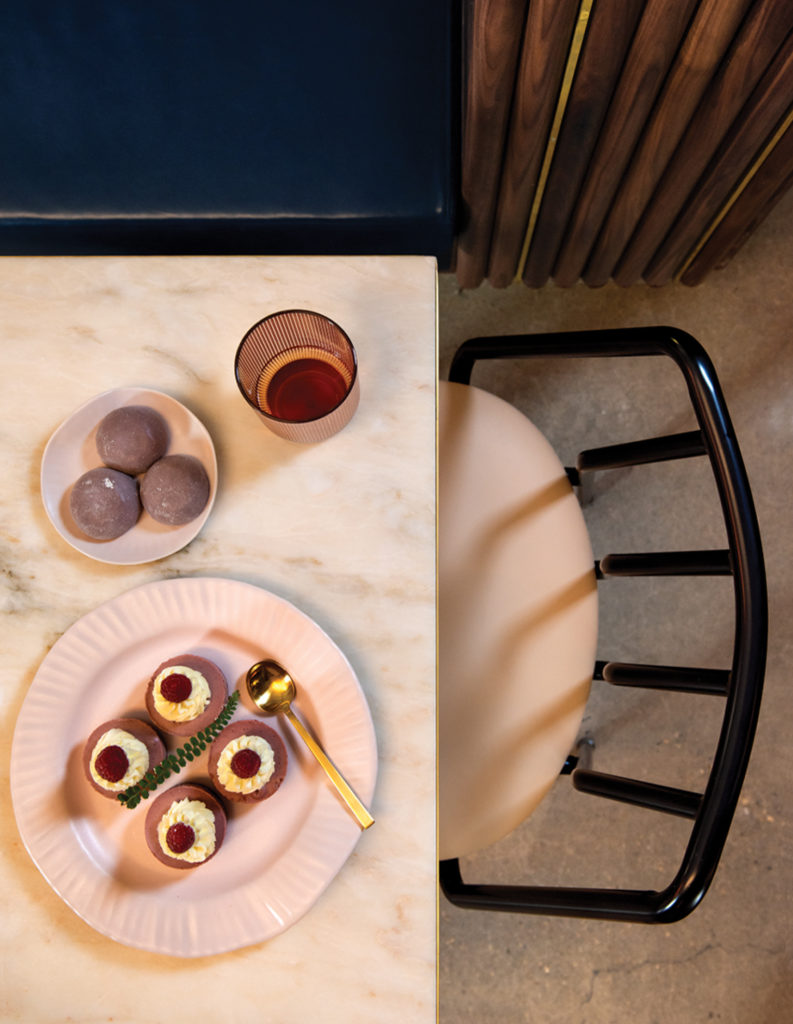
<point>299,371</point>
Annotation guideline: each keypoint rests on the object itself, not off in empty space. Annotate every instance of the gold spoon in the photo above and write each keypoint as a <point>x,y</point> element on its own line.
<point>272,690</point>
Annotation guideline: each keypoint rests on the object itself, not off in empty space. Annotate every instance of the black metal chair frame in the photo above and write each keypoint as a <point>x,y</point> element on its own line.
<point>740,687</point>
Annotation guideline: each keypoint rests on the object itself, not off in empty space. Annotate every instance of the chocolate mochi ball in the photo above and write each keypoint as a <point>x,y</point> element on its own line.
<point>175,490</point>
<point>104,503</point>
<point>132,438</point>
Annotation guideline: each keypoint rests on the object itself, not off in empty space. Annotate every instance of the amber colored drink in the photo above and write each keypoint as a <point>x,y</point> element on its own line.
<point>302,384</point>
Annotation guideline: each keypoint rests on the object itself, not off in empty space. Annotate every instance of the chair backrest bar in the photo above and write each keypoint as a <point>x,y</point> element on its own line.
<point>713,681</point>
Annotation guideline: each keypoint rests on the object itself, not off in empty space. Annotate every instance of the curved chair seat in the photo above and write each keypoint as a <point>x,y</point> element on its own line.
<point>517,618</point>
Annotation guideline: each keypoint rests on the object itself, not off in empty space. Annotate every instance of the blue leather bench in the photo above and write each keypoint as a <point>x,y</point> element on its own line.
<point>200,127</point>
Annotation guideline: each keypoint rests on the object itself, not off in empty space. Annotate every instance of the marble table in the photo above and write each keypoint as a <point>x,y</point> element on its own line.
<point>344,530</point>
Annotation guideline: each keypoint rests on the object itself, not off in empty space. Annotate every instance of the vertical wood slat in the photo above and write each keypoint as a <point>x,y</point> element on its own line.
<point>495,29</point>
<point>766,108</point>
<point>654,46</point>
<point>755,47</point>
<point>770,182</point>
<point>640,157</point>
<point>612,23</point>
<point>549,29</point>
<point>712,30</point>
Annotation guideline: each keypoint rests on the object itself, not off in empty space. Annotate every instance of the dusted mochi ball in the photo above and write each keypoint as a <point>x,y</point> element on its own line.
<point>132,438</point>
<point>104,503</point>
<point>247,761</point>
<point>185,694</point>
<point>118,754</point>
<point>185,826</point>
<point>175,489</point>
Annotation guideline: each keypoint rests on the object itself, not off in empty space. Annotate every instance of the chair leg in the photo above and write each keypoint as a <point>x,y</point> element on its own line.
<point>585,748</point>
<point>581,757</point>
<point>583,483</point>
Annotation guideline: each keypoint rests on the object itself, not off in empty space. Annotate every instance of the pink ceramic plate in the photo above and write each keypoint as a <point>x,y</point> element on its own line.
<point>277,857</point>
<point>71,451</point>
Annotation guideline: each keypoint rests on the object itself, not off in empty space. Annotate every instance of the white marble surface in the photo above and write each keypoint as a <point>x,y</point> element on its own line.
<point>345,530</point>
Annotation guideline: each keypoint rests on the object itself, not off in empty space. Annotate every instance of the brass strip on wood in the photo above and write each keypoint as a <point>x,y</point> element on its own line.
<point>574,53</point>
<point>735,195</point>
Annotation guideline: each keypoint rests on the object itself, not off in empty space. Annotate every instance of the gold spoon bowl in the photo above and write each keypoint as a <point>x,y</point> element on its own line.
<point>272,690</point>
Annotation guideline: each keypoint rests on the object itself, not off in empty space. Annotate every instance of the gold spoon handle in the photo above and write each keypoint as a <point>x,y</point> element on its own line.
<point>363,816</point>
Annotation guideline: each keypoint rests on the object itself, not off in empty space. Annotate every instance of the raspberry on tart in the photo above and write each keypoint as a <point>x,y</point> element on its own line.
<point>119,752</point>
<point>185,826</point>
<point>247,761</point>
<point>185,694</point>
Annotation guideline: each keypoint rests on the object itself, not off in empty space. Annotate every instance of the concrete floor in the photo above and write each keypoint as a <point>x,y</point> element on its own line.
<point>732,959</point>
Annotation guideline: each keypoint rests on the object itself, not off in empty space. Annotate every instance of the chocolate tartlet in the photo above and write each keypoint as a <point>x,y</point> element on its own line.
<point>247,761</point>
<point>185,826</point>
<point>132,438</point>
<point>118,754</point>
<point>185,694</point>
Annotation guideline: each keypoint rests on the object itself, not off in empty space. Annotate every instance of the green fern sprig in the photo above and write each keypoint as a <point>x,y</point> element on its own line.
<point>173,763</point>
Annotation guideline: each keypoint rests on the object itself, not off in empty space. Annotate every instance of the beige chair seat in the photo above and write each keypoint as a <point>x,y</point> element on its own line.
<point>517,618</point>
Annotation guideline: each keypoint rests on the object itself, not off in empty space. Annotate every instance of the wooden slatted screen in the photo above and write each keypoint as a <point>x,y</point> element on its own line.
<point>621,140</point>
